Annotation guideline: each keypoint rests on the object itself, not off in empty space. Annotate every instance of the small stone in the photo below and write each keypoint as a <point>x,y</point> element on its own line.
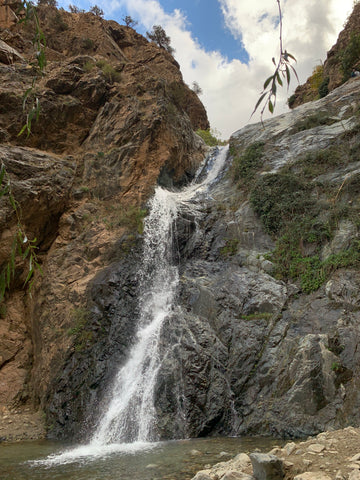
<point>299,452</point>
<point>202,476</point>
<point>354,466</point>
<point>312,476</point>
<point>151,465</point>
<point>316,448</point>
<point>275,451</point>
<point>195,452</point>
<point>236,476</point>
<point>224,454</point>
<point>355,458</point>
<point>266,467</point>
<point>307,462</point>
<point>354,475</point>
<point>289,448</point>
<point>241,461</point>
<point>288,464</point>
<point>339,475</point>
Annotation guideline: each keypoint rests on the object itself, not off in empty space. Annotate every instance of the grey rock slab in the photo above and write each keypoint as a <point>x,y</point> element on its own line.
<point>266,467</point>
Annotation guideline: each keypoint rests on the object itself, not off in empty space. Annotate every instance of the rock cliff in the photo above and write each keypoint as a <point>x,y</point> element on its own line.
<point>116,118</point>
<point>340,60</point>
<point>267,331</point>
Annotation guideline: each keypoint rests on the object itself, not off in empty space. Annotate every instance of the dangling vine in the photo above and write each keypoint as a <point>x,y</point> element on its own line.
<point>282,72</point>
<point>22,247</point>
<point>32,108</point>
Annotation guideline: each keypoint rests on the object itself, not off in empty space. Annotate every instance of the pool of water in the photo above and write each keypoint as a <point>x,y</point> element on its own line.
<point>175,460</point>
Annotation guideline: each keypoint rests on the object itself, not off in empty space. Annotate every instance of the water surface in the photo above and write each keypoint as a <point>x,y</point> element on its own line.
<point>175,460</point>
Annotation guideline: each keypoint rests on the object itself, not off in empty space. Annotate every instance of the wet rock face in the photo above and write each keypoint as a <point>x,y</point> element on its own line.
<point>81,384</point>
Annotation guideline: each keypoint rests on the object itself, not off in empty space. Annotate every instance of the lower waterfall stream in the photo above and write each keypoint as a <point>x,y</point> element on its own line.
<point>130,414</point>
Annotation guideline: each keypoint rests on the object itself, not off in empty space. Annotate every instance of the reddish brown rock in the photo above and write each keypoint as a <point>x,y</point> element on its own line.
<point>115,119</point>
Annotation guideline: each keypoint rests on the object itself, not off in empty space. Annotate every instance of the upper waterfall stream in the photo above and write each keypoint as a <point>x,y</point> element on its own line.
<point>127,422</point>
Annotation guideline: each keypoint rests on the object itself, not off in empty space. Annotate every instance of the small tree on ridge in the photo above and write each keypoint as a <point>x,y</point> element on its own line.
<point>158,36</point>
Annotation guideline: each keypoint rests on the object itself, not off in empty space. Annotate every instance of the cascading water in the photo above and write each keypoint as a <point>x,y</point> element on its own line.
<point>129,418</point>
<point>130,414</point>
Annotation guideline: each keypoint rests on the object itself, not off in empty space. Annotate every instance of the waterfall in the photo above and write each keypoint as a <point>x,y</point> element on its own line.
<point>130,414</point>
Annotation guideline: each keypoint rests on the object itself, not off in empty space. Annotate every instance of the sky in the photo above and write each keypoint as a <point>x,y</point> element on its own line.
<point>227,46</point>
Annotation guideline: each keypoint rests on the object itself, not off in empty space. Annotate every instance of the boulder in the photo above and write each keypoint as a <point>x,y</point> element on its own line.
<point>266,467</point>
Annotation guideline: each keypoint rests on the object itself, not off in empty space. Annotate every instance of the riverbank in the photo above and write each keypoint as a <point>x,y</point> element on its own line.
<point>328,456</point>
<point>21,424</point>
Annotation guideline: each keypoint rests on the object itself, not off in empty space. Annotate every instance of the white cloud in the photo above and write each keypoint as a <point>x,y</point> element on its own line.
<point>231,88</point>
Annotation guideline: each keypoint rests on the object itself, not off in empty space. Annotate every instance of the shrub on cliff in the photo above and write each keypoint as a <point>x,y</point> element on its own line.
<point>209,137</point>
<point>350,56</point>
<point>158,36</point>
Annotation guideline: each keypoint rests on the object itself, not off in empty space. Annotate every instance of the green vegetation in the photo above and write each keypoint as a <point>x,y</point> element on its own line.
<point>336,367</point>
<point>291,101</point>
<point>230,248</point>
<point>245,166</point>
<point>312,121</point>
<point>22,248</point>
<point>158,36</point>
<point>99,12</point>
<point>209,137</point>
<point>279,198</point>
<point>132,218</point>
<point>79,317</point>
<point>282,74</point>
<point>87,43</point>
<point>316,78</point>
<point>350,56</point>
<point>257,316</point>
<point>300,207</point>
<point>324,87</point>
<point>58,22</point>
<point>129,21</point>
<point>109,71</point>
<point>83,336</point>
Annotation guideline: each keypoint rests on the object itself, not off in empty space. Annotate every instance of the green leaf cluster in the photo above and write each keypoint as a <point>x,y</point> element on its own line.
<point>278,198</point>
<point>315,120</point>
<point>22,248</point>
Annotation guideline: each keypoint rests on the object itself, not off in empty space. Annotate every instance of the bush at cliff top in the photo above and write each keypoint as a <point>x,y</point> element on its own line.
<point>350,56</point>
<point>209,138</point>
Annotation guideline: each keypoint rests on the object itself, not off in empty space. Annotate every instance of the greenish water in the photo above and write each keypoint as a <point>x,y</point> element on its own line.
<point>175,460</point>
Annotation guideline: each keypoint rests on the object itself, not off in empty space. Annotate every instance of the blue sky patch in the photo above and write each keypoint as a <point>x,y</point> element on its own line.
<point>206,22</point>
